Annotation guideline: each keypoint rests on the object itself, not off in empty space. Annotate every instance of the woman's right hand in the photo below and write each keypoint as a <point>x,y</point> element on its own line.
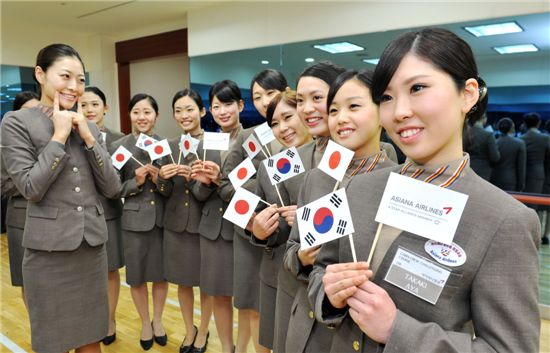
<point>307,256</point>
<point>168,171</point>
<point>141,175</point>
<point>62,121</point>
<point>341,281</point>
<point>266,222</point>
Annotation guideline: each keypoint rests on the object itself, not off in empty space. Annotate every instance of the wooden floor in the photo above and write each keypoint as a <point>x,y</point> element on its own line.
<point>15,333</point>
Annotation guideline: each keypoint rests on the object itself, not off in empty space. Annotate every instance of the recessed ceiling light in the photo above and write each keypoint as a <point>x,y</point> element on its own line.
<point>372,61</point>
<point>309,60</point>
<point>513,49</point>
<point>494,29</point>
<point>337,48</point>
<point>265,62</point>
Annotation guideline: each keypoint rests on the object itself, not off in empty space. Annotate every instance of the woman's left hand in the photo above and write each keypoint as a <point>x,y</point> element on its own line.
<point>80,124</point>
<point>373,311</point>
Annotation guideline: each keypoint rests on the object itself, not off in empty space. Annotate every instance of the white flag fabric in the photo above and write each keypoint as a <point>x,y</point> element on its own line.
<point>252,146</point>
<point>159,150</point>
<point>324,219</point>
<point>244,171</point>
<point>241,207</point>
<point>265,134</point>
<point>188,144</point>
<point>144,141</point>
<point>120,157</point>
<point>336,160</point>
<point>216,141</point>
<point>284,165</point>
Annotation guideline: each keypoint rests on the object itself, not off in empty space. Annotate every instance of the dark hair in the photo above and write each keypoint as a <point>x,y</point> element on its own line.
<point>141,96</point>
<point>53,52</point>
<point>531,119</point>
<point>504,125</point>
<point>24,97</point>
<point>288,96</point>
<point>226,91</point>
<point>363,76</point>
<point>97,92</point>
<point>443,49</point>
<point>323,70</point>
<point>188,93</point>
<point>547,125</point>
<point>269,79</point>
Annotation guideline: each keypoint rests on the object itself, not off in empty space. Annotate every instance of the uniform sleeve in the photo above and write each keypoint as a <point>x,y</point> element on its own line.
<point>494,154</point>
<point>233,158</point>
<point>521,166</point>
<point>504,299</point>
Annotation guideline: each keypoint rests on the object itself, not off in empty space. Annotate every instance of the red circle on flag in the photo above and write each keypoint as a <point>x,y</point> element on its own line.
<point>252,146</point>
<point>186,144</point>
<point>334,160</point>
<point>241,173</point>
<point>158,149</point>
<point>119,157</point>
<point>241,207</point>
<point>147,142</point>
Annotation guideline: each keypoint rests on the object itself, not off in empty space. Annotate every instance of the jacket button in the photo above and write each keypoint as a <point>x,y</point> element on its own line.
<point>356,345</point>
<point>221,209</point>
<point>77,189</point>
<point>152,202</point>
<point>75,170</point>
<point>310,314</point>
<point>56,159</point>
<point>151,190</point>
<point>186,204</point>
<point>187,191</point>
<point>79,208</point>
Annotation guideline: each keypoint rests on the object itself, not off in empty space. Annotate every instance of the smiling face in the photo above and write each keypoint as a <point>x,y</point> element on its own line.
<point>311,95</point>
<point>188,115</point>
<point>287,126</point>
<point>93,107</point>
<point>143,117</point>
<point>66,76</point>
<point>261,97</point>
<point>226,114</point>
<point>423,111</point>
<point>353,119</point>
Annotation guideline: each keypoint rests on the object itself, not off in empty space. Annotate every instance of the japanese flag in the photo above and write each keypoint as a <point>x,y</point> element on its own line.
<point>120,157</point>
<point>284,165</point>
<point>325,219</point>
<point>252,146</point>
<point>216,141</point>
<point>244,171</point>
<point>241,207</point>
<point>159,150</point>
<point>144,141</point>
<point>188,144</point>
<point>265,134</point>
<point>336,160</point>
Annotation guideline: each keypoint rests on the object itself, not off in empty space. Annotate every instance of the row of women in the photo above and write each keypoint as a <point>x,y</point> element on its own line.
<point>424,90</point>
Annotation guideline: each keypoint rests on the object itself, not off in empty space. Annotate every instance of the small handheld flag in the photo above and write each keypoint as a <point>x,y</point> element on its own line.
<point>284,165</point>
<point>252,146</point>
<point>241,207</point>
<point>120,157</point>
<point>159,150</point>
<point>336,160</point>
<point>143,141</point>
<point>244,171</point>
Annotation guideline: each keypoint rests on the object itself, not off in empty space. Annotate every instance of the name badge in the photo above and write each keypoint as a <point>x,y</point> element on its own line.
<point>416,275</point>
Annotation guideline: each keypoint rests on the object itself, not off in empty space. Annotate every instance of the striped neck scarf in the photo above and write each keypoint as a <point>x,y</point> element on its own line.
<point>365,165</point>
<point>443,176</point>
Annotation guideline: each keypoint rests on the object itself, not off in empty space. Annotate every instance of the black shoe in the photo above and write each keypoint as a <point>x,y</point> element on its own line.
<point>203,348</point>
<point>107,340</point>
<point>190,348</point>
<point>146,344</point>
<point>162,340</point>
<point>544,240</point>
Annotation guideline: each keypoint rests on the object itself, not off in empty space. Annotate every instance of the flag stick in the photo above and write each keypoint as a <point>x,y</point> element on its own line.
<point>278,193</point>
<point>204,156</point>
<point>375,241</point>
<point>336,186</point>
<point>352,245</point>
<point>172,158</point>
<point>267,149</point>
<point>134,158</point>
<point>267,203</point>
<point>266,156</point>
<point>179,156</point>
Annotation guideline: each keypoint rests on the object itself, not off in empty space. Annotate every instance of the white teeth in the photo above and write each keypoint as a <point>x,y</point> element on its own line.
<point>409,133</point>
<point>345,132</point>
<point>312,120</point>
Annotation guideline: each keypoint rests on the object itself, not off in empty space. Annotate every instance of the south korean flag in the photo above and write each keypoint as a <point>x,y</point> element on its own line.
<point>324,219</point>
<point>284,165</point>
<point>144,142</point>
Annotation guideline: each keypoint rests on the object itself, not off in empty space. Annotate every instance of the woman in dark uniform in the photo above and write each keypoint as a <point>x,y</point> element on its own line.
<point>59,163</point>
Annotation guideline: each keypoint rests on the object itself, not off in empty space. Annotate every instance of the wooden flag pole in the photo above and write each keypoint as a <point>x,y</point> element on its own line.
<point>279,194</point>
<point>179,156</point>
<point>266,156</point>
<point>267,149</point>
<point>134,158</point>
<point>352,245</point>
<point>268,204</point>
<point>204,156</point>
<point>172,158</point>
<point>375,241</point>
<point>336,186</point>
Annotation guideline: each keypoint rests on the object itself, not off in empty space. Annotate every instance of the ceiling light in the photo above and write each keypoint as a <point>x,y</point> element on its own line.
<point>309,60</point>
<point>494,29</point>
<point>337,48</point>
<point>265,62</point>
<point>372,61</point>
<point>513,49</point>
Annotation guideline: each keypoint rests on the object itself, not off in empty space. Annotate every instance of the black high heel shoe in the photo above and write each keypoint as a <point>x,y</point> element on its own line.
<point>146,344</point>
<point>162,340</point>
<point>107,340</point>
<point>190,348</point>
<point>203,348</point>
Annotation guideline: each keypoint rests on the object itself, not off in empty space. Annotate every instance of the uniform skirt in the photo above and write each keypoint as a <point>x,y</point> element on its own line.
<point>216,267</point>
<point>67,297</point>
<point>182,258</point>
<point>143,255</point>
<point>287,286</point>
<point>15,253</point>
<point>268,297</point>
<point>246,279</point>
<point>115,250</point>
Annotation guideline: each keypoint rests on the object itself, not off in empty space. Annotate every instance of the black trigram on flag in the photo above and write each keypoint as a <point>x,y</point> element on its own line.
<point>305,215</point>
<point>270,162</point>
<point>276,177</point>
<point>290,153</point>
<point>310,239</point>
<point>335,200</point>
<point>296,168</point>
<point>341,227</point>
